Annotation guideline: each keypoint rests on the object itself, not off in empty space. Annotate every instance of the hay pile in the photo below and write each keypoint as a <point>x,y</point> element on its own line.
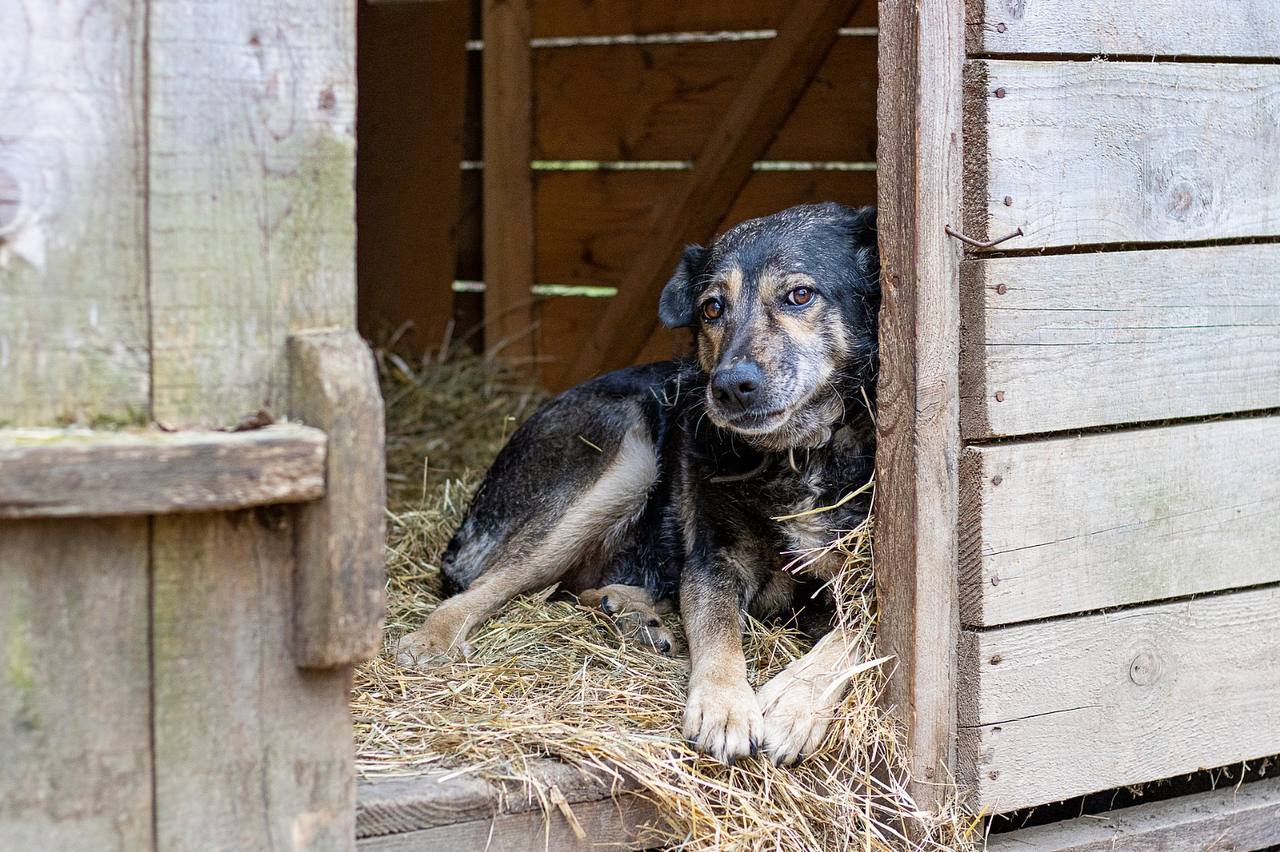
<point>549,679</point>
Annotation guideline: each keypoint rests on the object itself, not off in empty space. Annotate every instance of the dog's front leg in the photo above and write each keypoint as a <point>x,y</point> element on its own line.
<point>721,717</point>
<point>799,701</point>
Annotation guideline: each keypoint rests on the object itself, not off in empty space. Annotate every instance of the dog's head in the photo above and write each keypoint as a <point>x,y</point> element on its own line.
<point>784,311</point>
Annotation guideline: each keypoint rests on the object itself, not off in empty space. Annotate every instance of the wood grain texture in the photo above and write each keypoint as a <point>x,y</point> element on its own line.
<point>1080,340</point>
<point>68,473</point>
<point>443,797</point>
<point>918,416</point>
<point>1068,707</point>
<point>340,585</point>
<point>1242,28</point>
<point>251,752</point>
<point>251,129</point>
<point>73,287</point>
<point>1233,819</point>
<point>674,92</point>
<point>1132,152</point>
<point>509,236</point>
<point>412,62</point>
<point>563,321</point>
<point>563,18</point>
<point>1072,524</point>
<point>74,686</point>
<point>740,135</point>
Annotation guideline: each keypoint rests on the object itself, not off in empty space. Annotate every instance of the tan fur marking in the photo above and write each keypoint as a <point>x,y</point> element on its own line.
<point>592,521</point>
<point>799,702</point>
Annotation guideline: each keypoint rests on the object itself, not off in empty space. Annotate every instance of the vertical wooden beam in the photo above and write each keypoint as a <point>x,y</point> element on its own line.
<point>919,155</point>
<point>508,181</point>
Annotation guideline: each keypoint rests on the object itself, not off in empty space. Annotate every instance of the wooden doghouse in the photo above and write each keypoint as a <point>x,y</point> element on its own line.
<point>1078,487</point>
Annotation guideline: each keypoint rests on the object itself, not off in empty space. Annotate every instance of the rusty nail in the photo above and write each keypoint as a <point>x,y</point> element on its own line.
<point>999,396</point>
<point>995,581</point>
<point>1000,92</point>
<point>997,660</point>
<point>1001,27</point>
<point>1008,201</point>
<point>997,479</point>
<point>967,240</point>
<point>1001,289</point>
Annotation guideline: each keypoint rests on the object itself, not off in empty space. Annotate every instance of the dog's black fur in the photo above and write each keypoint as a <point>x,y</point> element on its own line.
<point>669,480</point>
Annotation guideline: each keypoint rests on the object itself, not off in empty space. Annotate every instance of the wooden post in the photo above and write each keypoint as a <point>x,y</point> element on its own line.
<point>742,135</point>
<point>508,181</point>
<point>919,156</point>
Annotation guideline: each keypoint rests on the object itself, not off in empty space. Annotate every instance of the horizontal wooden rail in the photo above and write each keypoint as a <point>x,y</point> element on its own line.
<point>87,473</point>
<point>1244,817</point>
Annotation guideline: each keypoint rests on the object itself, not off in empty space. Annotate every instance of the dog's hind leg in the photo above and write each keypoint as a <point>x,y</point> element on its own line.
<point>545,552</point>
<point>635,612</point>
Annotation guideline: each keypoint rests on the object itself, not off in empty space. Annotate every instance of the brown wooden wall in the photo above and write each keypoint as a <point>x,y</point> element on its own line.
<point>615,125</point>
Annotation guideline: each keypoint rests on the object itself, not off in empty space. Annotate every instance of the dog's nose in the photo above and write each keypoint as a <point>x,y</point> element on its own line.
<point>735,387</point>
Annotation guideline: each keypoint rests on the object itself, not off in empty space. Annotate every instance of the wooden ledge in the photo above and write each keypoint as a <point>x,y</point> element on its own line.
<point>463,813</point>
<point>82,472</point>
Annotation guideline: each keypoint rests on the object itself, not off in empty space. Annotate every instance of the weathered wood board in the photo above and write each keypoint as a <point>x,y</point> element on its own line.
<point>1060,342</point>
<point>674,93</point>
<point>1072,524</point>
<point>1080,153</point>
<point>74,676</point>
<point>67,473</point>
<point>251,751</point>
<point>1168,28</point>
<point>251,137</point>
<point>1057,709</point>
<point>1232,818</point>
<point>73,287</point>
<point>917,428</point>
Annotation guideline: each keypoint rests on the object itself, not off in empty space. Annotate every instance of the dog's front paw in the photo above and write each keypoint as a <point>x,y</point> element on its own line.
<point>432,644</point>
<point>796,715</point>
<point>721,719</point>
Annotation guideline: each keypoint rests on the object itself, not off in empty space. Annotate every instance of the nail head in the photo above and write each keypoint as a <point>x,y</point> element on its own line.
<point>1008,201</point>
<point>999,396</point>
<point>1001,27</point>
<point>1001,289</point>
<point>1000,92</point>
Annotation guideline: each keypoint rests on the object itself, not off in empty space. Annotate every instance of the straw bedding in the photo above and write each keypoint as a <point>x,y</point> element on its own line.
<point>551,679</point>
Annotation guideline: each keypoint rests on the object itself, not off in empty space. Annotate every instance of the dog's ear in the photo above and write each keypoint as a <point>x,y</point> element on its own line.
<point>675,308</point>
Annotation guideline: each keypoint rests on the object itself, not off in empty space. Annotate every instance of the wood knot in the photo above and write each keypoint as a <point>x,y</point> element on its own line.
<point>1145,669</point>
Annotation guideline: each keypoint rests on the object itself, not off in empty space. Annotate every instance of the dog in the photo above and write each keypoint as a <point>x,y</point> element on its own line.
<point>694,479</point>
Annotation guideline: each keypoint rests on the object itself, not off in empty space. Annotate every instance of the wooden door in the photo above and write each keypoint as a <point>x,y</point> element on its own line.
<point>183,587</point>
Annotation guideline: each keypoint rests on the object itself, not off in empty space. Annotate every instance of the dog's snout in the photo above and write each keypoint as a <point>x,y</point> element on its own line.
<point>736,388</point>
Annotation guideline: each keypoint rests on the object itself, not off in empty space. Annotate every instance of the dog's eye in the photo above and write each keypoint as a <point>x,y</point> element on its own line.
<point>800,296</point>
<point>712,309</point>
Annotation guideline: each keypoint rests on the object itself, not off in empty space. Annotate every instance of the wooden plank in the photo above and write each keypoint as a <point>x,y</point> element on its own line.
<point>721,169</point>
<point>586,221</point>
<point>918,415</point>
<point>673,90</point>
<point>565,18</point>
<point>1063,708</point>
<point>563,321</point>
<point>1073,524</point>
<point>508,184</point>
<point>73,300</point>
<point>75,703</point>
<point>1134,152</point>
<point>1230,819</point>
<point>412,62</point>
<point>340,595</point>
<point>251,752</point>
<point>1245,28</point>
<point>1079,340</point>
<point>251,130</point>
<point>78,472</point>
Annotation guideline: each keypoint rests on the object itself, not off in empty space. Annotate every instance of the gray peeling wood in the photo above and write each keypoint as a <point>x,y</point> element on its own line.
<point>1057,709</point>
<point>65,473</point>
<point>1050,343</point>
<point>1238,28</point>
<point>1080,153</point>
<point>1072,524</point>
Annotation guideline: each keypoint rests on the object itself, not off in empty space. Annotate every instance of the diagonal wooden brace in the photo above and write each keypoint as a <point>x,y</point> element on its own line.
<point>339,589</point>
